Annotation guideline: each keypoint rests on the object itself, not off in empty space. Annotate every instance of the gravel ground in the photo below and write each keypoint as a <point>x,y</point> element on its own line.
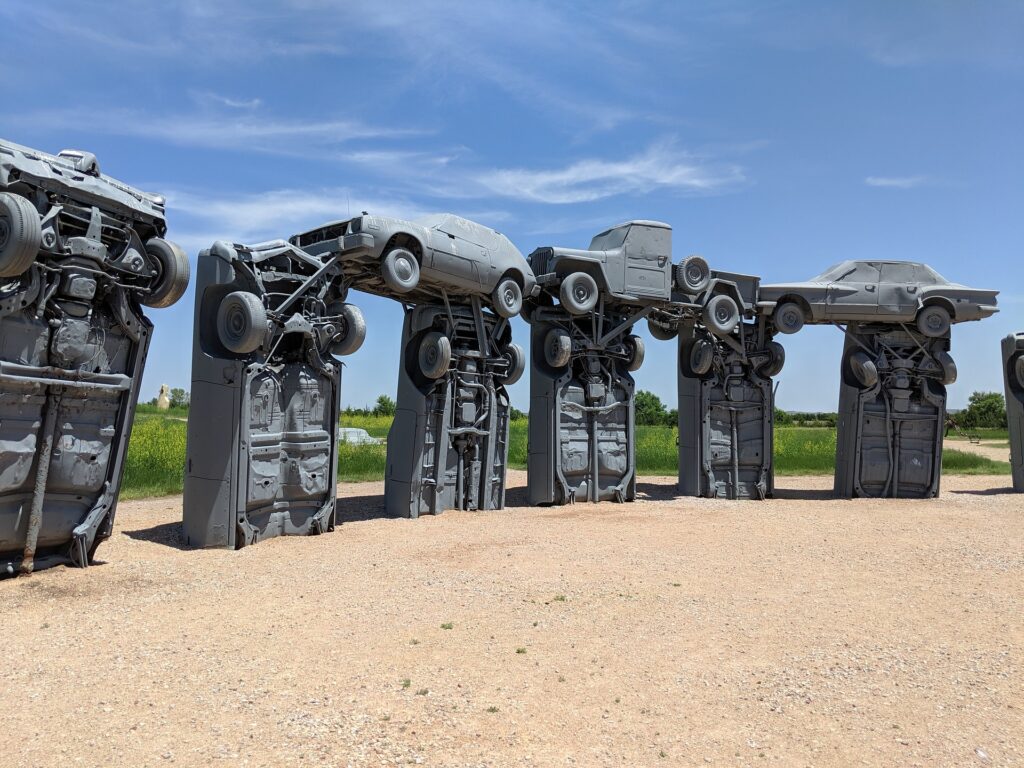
<point>798,631</point>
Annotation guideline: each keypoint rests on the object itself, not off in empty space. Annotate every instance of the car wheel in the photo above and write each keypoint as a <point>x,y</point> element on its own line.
<point>698,358</point>
<point>1018,368</point>
<point>400,270</point>
<point>721,315</point>
<point>776,359</point>
<point>864,369</point>
<point>693,274</point>
<point>241,322</point>
<point>578,293</point>
<point>516,358</point>
<point>173,272</point>
<point>789,317</point>
<point>948,366</point>
<point>21,234</point>
<point>557,348</point>
<point>934,321</point>
<point>507,298</point>
<point>635,350</point>
<point>435,355</point>
<point>660,332</point>
<point>351,328</point>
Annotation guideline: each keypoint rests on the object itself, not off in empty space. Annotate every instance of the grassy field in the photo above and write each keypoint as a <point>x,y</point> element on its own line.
<point>156,453</point>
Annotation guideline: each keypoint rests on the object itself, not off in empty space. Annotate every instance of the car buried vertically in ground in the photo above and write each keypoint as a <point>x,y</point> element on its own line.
<point>877,291</point>
<point>435,258</point>
<point>80,255</point>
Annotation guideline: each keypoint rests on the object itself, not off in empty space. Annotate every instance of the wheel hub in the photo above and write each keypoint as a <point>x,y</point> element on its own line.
<point>5,232</point>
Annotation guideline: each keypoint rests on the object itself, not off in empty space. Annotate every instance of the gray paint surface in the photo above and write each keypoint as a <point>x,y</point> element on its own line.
<point>890,432</point>
<point>726,413</point>
<point>73,344</point>
<point>582,441</point>
<point>1013,377</point>
<point>582,433</point>
<point>448,445</point>
<point>884,291</point>
<point>263,425</point>
<point>457,257</point>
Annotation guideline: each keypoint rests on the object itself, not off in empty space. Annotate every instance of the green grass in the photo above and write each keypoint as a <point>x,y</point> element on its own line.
<point>156,452</point>
<point>805,451</point>
<point>962,463</point>
<point>155,465</point>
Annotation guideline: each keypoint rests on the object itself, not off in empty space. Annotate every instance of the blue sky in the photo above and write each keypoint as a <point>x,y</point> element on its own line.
<point>775,137</point>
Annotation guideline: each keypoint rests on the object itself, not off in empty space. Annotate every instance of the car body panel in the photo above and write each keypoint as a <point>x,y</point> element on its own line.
<point>892,291</point>
<point>632,262</point>
<point>456,254</point>
<point>71,361</point>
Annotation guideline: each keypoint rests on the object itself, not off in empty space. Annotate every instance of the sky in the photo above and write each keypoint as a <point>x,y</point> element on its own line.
<point>775,137</point>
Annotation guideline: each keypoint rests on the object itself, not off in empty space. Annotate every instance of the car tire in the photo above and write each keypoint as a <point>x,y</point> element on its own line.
<point>21,234</point>
<point>1018,371</point>
<point>400,270</point>
<point>776,360</point>
<point>516,357</point>
<point>863,369</point>
<point>241,322</point>
<point>789,317</point>
<point>660,332</point>
<point>173,272</point>
<point>948,366</point>
<point>934,321</point>
<point>721,315</point>
<point>578,293</point>
<point>507,298</point>
<point>435,355</point>
<point>692,274</point>
<point>697,358</point>
<point>352,330</point>
<point>635,349</point>
<point>557,348</point>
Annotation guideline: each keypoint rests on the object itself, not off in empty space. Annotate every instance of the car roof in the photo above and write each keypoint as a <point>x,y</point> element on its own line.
<point>639,222</point>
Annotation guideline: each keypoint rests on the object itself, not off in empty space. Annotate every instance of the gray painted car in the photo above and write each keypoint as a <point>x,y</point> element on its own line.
<point>80,255</point>
<point>877,291</point>
<point>630,262</point>
<point>438,256</point>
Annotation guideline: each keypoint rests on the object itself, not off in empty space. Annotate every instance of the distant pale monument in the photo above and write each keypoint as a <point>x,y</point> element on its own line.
<point>163,400</point>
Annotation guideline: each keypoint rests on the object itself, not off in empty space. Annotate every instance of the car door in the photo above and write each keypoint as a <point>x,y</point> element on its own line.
<point>898,291</point>
<point>647,253</point>
<point>460,261</point>
<point>853,294</point>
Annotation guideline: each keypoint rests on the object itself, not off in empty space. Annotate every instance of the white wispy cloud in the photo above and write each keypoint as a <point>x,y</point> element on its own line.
<point>897,182</point>
<point>197,219</point>
<point>660,167</point>
<point>233,130</point>
<point>206,98</point>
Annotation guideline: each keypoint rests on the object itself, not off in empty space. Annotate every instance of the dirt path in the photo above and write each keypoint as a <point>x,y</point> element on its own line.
<point>997,450</point>
<point>798,631</point>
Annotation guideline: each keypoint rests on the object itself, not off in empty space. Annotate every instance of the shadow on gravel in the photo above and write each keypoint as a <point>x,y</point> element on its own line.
<point>353,509</point>
<point>168,534</point>
<point>985,491</point>
<point>657,491</point>
<point>803,494</point>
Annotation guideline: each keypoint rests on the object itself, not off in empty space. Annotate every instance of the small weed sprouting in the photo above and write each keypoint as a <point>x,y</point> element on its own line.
<point>406,682</point>
<point>447,625</point>
<point>422,692</point>
<point>520,650</point>
<point>492,709</point>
